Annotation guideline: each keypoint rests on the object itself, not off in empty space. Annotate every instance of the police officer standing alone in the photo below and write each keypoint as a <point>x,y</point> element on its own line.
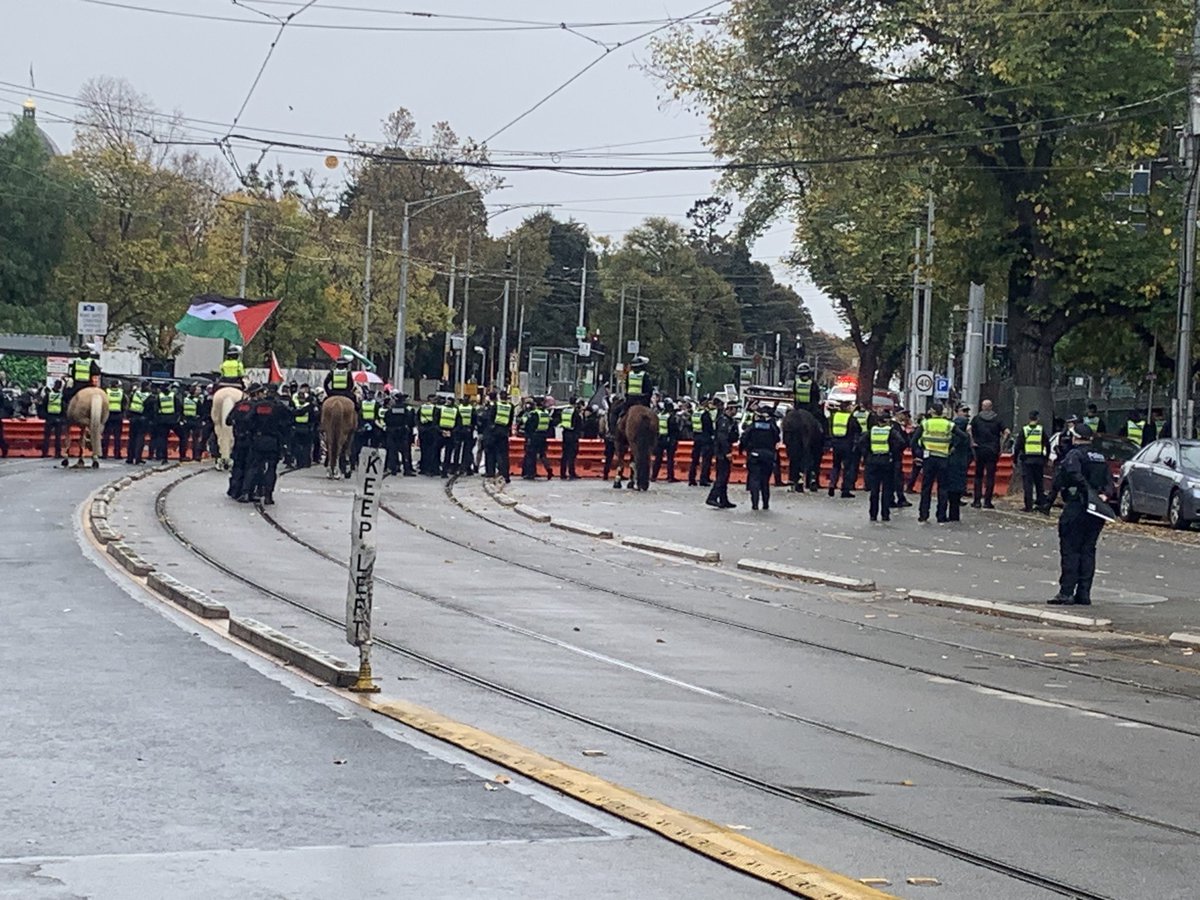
<point>759,443</point>
<point>884,446</point>
<point>53,419</point>
<point>725,437</point>
<point>1082,476</point>
<point>1032,447</point>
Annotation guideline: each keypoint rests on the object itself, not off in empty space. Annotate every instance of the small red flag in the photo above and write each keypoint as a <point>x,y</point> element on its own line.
<point>276,374</point>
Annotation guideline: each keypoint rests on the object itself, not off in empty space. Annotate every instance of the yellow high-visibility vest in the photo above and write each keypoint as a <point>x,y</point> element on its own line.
<point>636,383</point>
<point>504,413</point>
<point>1135,431</point>
<point>232,368</point>
<point>543,420</point>
<point>166,404</point>
<point>935,436</point>
<point>448,417</point>
<point>116,396</point>
<point>425,414</point>
<point>340,380</point>
<point>664,424</point>
<point>568,420</point>
<point>54,403</point>
<point>1033,440</point>
<point>137,403</point>
<point>803,389</point>
<point>880,438</point>
<point>191,407</point>
<point>368,410</point>
<point>82,369</point>
<point>840,423</point>
<point>466,412</point>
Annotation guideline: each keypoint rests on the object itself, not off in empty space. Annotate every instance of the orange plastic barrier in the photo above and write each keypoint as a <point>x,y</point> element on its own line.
<point>24,438</point>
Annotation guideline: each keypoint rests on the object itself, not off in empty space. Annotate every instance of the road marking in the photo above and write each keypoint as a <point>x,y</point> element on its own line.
<point>840,537</point>
<point>950,552</point>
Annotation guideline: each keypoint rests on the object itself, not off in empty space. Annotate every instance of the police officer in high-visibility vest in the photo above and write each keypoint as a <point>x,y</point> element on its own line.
<point>884,446</point>
<point>232,370</point>
<point>1032,448</point>
<point>447,421</point>
<point>115,393</point>
<point>536,427</point>
<point>304,424</point>
<point>668,440</point>
<point>805,393</point>
<point>83,372</point>
<point>464,437</point>
<point>639,387</point>
<point>1093,420</point>
<point>1135,430</point>
<point>703,424</point>
<point>570,419</point>
<point>427,436</point>
<point>935,435</point>
<point>365,436</point>
<point>495,457</point>
<point>191,426</point>
<point>844,431</point>
<point>166,420</point>
<point>142,405</point>
<point>53,418</point>
<point>339,382</point>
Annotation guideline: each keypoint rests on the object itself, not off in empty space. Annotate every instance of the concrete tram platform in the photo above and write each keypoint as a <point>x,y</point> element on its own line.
<point>144,757</point>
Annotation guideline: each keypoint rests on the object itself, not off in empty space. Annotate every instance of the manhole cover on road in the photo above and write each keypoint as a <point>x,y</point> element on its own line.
<point>1045,800</point>
<point>1129,598</point>
<point>822,793</point>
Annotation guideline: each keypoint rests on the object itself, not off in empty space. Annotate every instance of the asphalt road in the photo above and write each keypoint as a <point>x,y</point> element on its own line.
<point>976,736</point>
<point>141,756</point>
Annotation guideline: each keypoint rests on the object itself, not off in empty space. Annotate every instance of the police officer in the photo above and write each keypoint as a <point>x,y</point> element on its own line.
<point>1136,430</point>
<point>702,444</point>
<point>269,422</point>
<point>759,443</point>
<point>638,385</point>
<point>1093,421</point>
<point>304,422</point>
<point>464,437</point>
<point>239,419</point>
<point>536,428</point>
<point>141,409</point>
<point>116,418</point>
<point>187,432</point>
<point>232,369</point>
<point>447,421</point>
<point>1082,477</point>
<point>166,420</point>
<point>339,382</point>
<point>570,420</point>
<point>611,419</point>
<point>1033,445</point>
<point>725,438</point>
<point>668,440</point>
<point>805,393</point>
<point>884,444</point>
<point>496,462</point>
<point>902,425</point>
<point>428,437</point>
<point>844,431</point>
<point>365,436</point>
<point>935,436</point>
<point>399,421</point>
<point>53,411</point>
<point>82,373</point>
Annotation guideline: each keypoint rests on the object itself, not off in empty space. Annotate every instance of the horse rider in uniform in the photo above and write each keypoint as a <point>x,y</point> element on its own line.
<point>340,383</point>
<point>116,416</point>
<point>1033,445</point>
<point>805,393</point>
<point>1082,477</point>
<point>232,370</point>
<point>639,387</point>
<point>844,430</point>
<point>83,372</point>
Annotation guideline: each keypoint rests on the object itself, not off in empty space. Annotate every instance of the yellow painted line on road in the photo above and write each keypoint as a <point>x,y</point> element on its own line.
<point>802,878</point>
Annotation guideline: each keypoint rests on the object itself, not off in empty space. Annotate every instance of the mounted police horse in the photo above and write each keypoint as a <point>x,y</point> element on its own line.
<point>339,422</point>
<point>88,410</point>
<point>805,442</point>
<point>636,431</point>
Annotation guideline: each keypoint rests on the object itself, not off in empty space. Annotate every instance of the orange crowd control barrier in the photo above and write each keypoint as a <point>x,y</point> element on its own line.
<point>24,438</point>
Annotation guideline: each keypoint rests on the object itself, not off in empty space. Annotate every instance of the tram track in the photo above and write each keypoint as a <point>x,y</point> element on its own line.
<point>798,796</point>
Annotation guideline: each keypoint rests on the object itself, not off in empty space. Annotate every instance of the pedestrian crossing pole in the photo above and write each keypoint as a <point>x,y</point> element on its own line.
<point>361,588</point>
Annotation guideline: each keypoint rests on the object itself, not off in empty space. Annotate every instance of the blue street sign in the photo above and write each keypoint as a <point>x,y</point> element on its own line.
<point>941,388</point>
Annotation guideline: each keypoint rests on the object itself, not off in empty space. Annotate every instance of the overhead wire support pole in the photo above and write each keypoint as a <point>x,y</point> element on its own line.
<point>366,328</point>
<point>1182,407</point>
<point>400,347</point>
<point>914,335</point>
<point>501,365</point>
<point>245,254</point>
<point>447,353</point>
<point>927,324</point>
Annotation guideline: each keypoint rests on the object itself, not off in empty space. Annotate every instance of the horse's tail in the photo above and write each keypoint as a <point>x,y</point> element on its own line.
<point>96,422</point>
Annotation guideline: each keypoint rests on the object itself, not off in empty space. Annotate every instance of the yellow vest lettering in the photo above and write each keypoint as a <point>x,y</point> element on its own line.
<point>840,423</point>
<point>368,410</point>
<point>935,436</point>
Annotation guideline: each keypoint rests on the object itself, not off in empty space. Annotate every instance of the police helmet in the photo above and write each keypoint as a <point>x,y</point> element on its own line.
<point>233,352</point>
<point>343,362</point>
<point>255,388</point>
<point>639,362</point>
<point>804,368</point>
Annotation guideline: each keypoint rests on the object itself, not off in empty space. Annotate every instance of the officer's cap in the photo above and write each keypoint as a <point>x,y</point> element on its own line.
<point>1033,414</point>
<point>1082,431</point>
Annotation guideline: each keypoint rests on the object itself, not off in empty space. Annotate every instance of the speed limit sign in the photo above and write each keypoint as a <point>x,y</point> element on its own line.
<point>923,382</point>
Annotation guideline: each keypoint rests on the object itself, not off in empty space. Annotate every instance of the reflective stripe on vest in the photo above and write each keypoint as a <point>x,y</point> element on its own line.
<point>1033,433</point>
<point>840,423</point>
<point>467,414</point>
<point>636,383</point>
<point>568,420</point>
<point>448,417</point>
<point>232,368</point>
<point>863,416</point>
<point>664,424</point>
<point>137,403</point>
<point>1135,431</point>
<point>82,370</point>
<point>54,403</point>
<point>166,404</point>
<point>803,390</point>
<point>698,422</point>
<point>368,410</point>
<point>425,414</point>
<point>504,413</point>
<point>936,436</point>
<point>543,420</point>
<point>191,407</point>
<point>116,396</point>
<point>340,380</point>
<point>880,439</point>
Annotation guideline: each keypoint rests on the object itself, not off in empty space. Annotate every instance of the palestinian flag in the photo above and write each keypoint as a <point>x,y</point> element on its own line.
<point>233,318</point>
<point>274,373</point>
<point>337,351</point>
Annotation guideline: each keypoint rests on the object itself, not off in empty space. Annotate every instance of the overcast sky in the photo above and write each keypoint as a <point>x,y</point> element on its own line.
<point>333,82</point>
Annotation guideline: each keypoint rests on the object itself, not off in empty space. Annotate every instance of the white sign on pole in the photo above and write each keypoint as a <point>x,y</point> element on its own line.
<point>739,350</point>
<point>92,319</point>
<point>633,346</point>
<point>923,383</point>
<point>361,588</point>
<point>585,348</point>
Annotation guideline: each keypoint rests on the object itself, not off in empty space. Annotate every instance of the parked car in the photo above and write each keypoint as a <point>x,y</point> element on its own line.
<point>1116,451</point>
<point>1163,480</point>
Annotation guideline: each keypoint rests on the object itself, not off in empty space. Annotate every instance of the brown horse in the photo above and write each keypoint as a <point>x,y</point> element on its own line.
<point>88,410</point>
<point>339,421</point>
<point>636,430</point>
<point>805,441</point>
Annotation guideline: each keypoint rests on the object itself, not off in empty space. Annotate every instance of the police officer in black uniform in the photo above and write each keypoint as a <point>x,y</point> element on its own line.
<point>304,423</point>
<point>570,420</point>
<point>270,421</point>
<point>725,438</point>
<point>53,409</point>
<point>759,442</point>
<point>399,420</point>
<point>239,420</point>
<point>668,440</point>
<point>883,448</point>
<point>702,444</point>
<point>166,420</point>
<point>498,422</point>
<point>536,428</point>
<point>1082,477</point>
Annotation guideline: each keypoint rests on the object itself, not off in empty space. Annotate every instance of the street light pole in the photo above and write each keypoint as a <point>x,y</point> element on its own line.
<point>1181,412</point>
<point>366,329</point>
<point>582,288</point>
<point>401,308</point>
<point>501,365</point>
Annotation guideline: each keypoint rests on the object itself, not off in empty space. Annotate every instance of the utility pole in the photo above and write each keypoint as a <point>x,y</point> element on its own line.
<point>637,320</point>
<point>501,367</point>
<point>914,334</point>
<point>446,349</point>
<point>778,360</point>
<point>462,363</point>
<point>973,348</point>
<point>401,308</point>
<point>926,360</point>
<point>619,351</point>
<point>1182,407</point>
<point>582,288</point>
<point>366,329</point>
<point>245,253</point>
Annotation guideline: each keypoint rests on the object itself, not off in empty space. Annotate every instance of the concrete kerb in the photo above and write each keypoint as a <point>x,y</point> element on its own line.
<point>670,548</point>
<point>1011,611</point>
<point>128,559</point>
<point>581,528</point>
<point>532,513</point>
<point>1185,639</point>
<point>306,657</point>
<point>780,570</point>
<point>189,598</point>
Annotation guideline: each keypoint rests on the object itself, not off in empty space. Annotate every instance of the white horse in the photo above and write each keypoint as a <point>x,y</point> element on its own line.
<point>223,401</point>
